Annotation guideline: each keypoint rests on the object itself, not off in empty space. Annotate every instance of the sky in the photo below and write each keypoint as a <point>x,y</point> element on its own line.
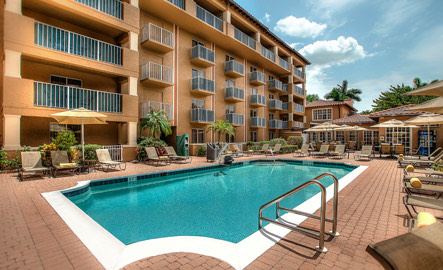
<point>372,44</point>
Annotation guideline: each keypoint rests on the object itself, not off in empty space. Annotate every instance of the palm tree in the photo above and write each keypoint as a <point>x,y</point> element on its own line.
<point>157,122</point>
<point>221,127</point>
<point>342,92</point>
<point>418,82</point>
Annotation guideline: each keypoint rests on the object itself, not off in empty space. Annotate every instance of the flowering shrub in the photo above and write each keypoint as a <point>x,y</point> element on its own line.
<point>74,155</point>
<point>90,153</point>
<point>147,141</point>
<point>45,150</point>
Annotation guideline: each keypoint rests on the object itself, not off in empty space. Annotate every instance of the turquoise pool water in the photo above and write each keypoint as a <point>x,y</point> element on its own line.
<point>220,203</point>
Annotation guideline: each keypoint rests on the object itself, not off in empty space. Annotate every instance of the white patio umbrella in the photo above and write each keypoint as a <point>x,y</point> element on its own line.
<point>80,116</point>
<point>426,119</point>
<point>433,89</point>
<point>434,106</point>
<point>325,126</point>
<point>390,123</point>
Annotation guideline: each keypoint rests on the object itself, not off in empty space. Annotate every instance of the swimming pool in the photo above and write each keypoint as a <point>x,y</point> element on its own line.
<point>189,206</point>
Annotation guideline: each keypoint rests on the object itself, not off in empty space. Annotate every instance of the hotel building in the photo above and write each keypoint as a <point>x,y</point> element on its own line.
<point>199,61</point>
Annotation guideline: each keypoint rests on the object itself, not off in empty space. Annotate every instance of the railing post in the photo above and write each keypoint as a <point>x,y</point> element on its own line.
<point>69,94</point>
<point>96,97</point>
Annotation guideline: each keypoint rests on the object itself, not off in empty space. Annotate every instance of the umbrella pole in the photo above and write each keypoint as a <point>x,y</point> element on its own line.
<point>83,140</point>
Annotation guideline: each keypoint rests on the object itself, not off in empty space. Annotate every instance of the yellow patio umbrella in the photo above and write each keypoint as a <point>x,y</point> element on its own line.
<point>434,106</point>
<point>433,89</point>
<point>426,119</point>
<point>80,116</point>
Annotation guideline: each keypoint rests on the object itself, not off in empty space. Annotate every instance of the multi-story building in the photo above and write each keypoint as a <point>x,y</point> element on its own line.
<point>199,61</point>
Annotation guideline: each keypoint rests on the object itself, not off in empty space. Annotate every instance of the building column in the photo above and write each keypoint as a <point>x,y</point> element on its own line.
<point>132,134</point>
<point>14,6</point>
<point>134,3</point>
<point>227,16</point>
<point>133,41</point>
<point>11,132</point>
<point>13,64</point>
<point>275,51</point>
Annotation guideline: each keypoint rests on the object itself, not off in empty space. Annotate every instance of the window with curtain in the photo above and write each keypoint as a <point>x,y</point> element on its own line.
<point>198,135</point>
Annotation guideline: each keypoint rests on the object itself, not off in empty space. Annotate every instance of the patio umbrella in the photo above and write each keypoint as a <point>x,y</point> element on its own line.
<point>434,106</point>
<point>433,89</point>
<point>390,123</point>
<point>326,126</point>
<point>80,116</point>
<point>427,119</point>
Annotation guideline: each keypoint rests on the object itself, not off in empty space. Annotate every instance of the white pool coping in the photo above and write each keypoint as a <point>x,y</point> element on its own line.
<point>113,254</point>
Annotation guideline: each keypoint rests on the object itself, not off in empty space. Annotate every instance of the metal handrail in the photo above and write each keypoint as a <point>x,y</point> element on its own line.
<point>322,216</point>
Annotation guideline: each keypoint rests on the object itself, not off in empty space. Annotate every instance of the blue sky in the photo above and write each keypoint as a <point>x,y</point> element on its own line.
<point>371,43</point>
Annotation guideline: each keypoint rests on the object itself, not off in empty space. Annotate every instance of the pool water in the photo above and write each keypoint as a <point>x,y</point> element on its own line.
<point>217,203</point>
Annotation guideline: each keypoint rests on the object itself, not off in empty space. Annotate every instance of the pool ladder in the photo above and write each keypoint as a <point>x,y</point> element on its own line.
<point>322,217</point>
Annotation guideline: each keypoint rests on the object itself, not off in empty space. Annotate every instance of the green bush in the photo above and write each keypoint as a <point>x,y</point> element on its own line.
<point>146,141</point>
<point>64,140</point>
<point>275,141</point>
<point>250,145</point>
<point>289,148</point>
<point>295,140</point>
<point>90,153</point>
<point>201,150</point>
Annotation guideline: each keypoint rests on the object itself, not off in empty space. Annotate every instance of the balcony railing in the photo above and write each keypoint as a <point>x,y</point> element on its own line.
<point>202,115</point>
<point>258,122</point>
<point>68,42</point>
<point>70,97</point>
<point>243,38</point>
<point>274,123</point>
<point>157,72</point>
<point>299,73</point>
<point>268,54</point>
<point>298,107</point>
<point>148,106</point>
<point>298,124</point>
<point>110,7</point>
<point>285,125</point>
<point>258,99</point>
<point>275,84</point>
<point>285,87</point>
<point>257,76</point>
<point>299,90</point>
<point>158,34</point>
<point>275,104</point>
<point>285,106</point>
<point>283,63</point>
<point>235,67</point>
<point>235,119</point>
<point>209,18</point>
<point>178,3</point>
<point>200,51</point>
<point>234,92</point>
<point>200,83</point>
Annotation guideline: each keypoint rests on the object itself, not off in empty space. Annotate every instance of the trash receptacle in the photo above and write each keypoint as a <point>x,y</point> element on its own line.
<point>183,145</point>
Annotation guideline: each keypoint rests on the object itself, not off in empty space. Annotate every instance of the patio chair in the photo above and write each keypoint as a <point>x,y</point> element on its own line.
<point>339,152</point>
<point>105,160</point>
<point>399,149</point>
<point>425,189</point>
<point>154,158</point>
<point>175,158</point>
<point>366,152</point>
<point>60,162</point>
<point>312,146</point>
<point>420,163</point>
<point>317,146</point>
<point>31,163</point>
<point>263,150</point>
<point>417,201</point>
<point>237,151</point>
<point>385,149</point>
<point>351,145</point>
<point>276,149</point>
<point>323,151</point>
<point>419,249</point>
<point>303,152</point>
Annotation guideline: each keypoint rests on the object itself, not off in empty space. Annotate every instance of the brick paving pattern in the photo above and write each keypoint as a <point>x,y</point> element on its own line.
<point>33,236</point>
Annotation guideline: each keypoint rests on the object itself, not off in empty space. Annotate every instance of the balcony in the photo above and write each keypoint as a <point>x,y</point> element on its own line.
<point>283,63</point>
<point>110,7</point>
<point>235,119</point>
<point>157,38</point>
<point>300,74</point>
<point>148,106</point>
<point>202,56</point>
<point>285,125</point>
<point>275,124</point>
<point>297,124</point>
<point>154,74</point>
<point>203,86</point>
<point>299,108</point>
<point>202,116</point>
<point>69,97</point>
<point>257,78</point>
<point>299,90</point>
<point>285,87</point>
<point>234,94</point>
<point>209,18</point>
<point>54,38</point>
<point>268,53</point>
<point>285,106</point>
<point>234,69</point>
<point>258,100</point>
<point>244,38</point>
<point>257,122</point>
<point>275,85</point>
<point>178,3</point>
<point>275,104</point>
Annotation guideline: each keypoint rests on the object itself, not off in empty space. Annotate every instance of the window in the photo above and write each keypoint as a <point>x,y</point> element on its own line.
<point>271,135</point>
<point>229,83</point>
<point>353,136</point>
<point>253,113</point>
<point>253,136</point>
<point>253,91</point>
<point>340,136</point>
<point>322,114</point>
<point>271,116</point>
<point>196,43</point>
<point>370,137</point>
<point>329,136</point>
<point>55,127</point>
<point>55,79</point>
<point>229,58</point>
<point>230,139</point>
<point>198,135</point>
<point>198,73</point>
<point>313,136</point>
<point>284,118</point>
<point>230,109</point>
<point>398,136</point>
<point>198,104</point>
<point>253,69</point>
<point>271,96</point>
<point>271,77</point>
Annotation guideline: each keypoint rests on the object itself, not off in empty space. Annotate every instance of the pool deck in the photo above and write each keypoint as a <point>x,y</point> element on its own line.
<point>33,236</point>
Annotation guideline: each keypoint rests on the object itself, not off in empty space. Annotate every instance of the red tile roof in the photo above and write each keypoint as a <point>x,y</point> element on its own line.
<point>327,103</point>
<point>354,119</point>
<point>397,111</point>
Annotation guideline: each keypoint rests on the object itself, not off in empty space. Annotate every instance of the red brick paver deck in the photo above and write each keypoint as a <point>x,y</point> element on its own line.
<point>33,236</point>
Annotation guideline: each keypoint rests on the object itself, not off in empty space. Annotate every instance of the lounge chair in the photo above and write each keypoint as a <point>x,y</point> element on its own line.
<point>31,163</point>
<point>237,151</point>
<point>417,201</point>
<point>60,162</point>
<point>275,150</point>
<point>323,151</point>
<point>154,158</point>
<point>175,158</point>
<point>303,152</point>
<point>420,249</point>
<point>420,163</point>
<point>423,179</point>
<point>416,156</point>
<point>425,189</point>
<point>339,151</point>
<point>263,150</point>
<point>105,160</point>
<point>366,152</point>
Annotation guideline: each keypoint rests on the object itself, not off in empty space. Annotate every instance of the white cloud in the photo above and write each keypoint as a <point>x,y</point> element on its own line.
<point>267,17</point>
<point>294,44</point>
<point>428,48</point>
<point>299,27</point>
<point>326,53</point>
<point>327,8</point>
